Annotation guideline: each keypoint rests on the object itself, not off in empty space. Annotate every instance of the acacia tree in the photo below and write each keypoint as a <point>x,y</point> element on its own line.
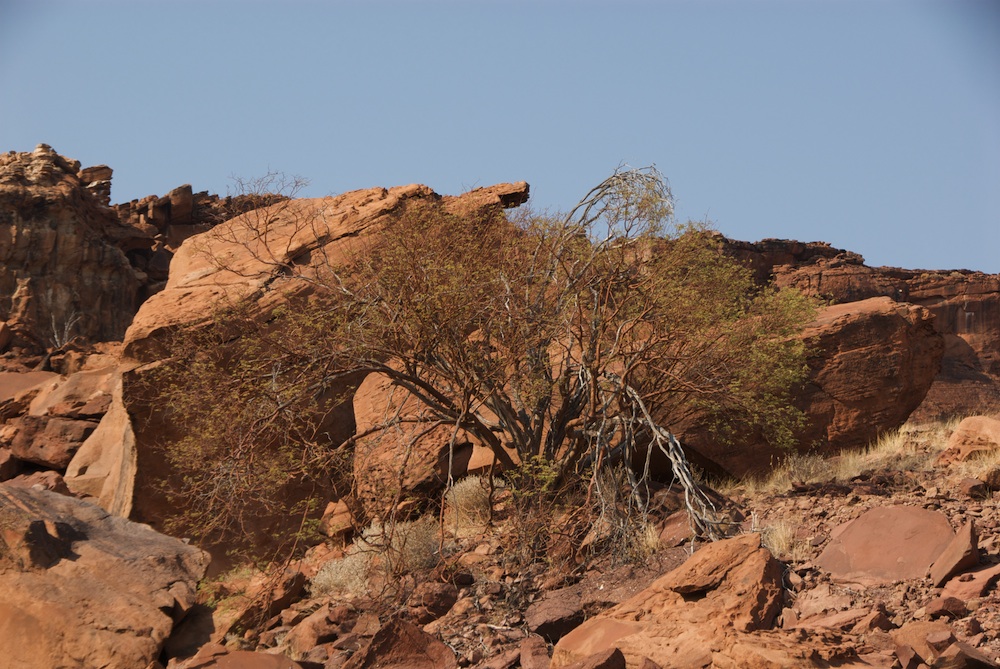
<point>575,341</point>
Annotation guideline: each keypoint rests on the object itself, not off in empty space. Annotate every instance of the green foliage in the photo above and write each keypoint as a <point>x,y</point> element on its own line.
<point>243,433</point>
<point>567,338</point>
<point>563,343</point>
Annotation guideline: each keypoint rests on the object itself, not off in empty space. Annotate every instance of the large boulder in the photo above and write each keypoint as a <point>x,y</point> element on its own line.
<point>717,609</point>
<point>81,588</point>
<point>402,454</point>
<point>965,305</point>
<point>870,365</point>
<point>235,263</point>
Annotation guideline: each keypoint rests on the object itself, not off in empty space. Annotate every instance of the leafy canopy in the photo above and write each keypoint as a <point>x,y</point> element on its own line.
<point>578,340</point>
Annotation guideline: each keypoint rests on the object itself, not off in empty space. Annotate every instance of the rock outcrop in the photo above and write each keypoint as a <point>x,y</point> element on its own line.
<point>170,219</point>
<point>871,364</point>
<point>234,262</point>
<point>80,588</point>
<point>965,306</point>
<point>62,271</point>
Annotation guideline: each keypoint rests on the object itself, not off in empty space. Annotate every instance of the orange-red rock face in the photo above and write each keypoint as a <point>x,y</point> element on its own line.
<point>871,364</point>
<point>62,274</point>
<point>965,306</point>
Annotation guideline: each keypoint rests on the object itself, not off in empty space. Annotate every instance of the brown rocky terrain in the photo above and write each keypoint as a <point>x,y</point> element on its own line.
<point>885,557</point>
<point>842,557</point>
<point>965,305</point>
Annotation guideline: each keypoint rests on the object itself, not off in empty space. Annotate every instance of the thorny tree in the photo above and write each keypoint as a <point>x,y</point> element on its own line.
<point>574,340</point>
<point>577,340</point>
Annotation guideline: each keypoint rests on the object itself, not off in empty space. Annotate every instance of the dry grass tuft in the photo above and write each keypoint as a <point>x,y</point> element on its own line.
<point>467,504</point>
<point>381,553</point>
<point>911,448</point>
<point>782,539</point>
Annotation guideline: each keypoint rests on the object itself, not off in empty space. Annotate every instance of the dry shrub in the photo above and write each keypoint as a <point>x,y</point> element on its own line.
<point>468,503</point>
<point>781,538</point>
<point>347,576</point>
<point>380,556</point>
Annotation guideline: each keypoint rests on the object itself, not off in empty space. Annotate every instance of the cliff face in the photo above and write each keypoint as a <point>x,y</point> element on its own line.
<point>63,273</point>
<point>73,266</point>
<point>965,306</point>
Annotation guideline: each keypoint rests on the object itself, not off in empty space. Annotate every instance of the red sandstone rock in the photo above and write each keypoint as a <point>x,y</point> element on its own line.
<point>313,630</point>
<point>965,305</point>
<point>972,584</point>
<point>430,601</point>
<point>715,608</point>
<point>607,659</point>
<point>83,589</point>
<point>975,436</point>
<point>214,656</point>
<point>62,274</point>
<point>946,607</point>
<point>961,655</point>
<point>44,480</point>
<point>337,520</point>
<point>406,454</point>
<point>871,364</point>
<point>961,554</point>
<point>49,441</point>
<point>886,544</point>
<point>534,653</point>
<point>104,467</point>
<point>13,384</point>
<point>9,465</point>
<point>555,614</point>
<point>232,262</point>
<point>83,395</point>
<point>927,639</point>
<point>401,645</point>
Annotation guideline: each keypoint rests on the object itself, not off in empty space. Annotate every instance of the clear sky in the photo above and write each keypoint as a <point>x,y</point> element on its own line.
<point>872,125</point>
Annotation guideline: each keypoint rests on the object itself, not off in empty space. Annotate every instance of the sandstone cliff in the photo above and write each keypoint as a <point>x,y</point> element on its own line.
<point>63,273</point>
<point>965,306</point>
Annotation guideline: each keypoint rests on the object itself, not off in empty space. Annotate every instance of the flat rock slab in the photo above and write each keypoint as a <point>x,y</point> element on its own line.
<point>14,383</point>
<point>972,584</point>
<point>887,544</point>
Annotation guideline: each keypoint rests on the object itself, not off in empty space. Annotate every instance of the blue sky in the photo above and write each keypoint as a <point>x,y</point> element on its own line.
<point>872,125</point>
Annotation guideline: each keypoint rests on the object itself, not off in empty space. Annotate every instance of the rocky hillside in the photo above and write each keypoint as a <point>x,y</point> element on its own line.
<point>856,557</point>
<point>965,305</point>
